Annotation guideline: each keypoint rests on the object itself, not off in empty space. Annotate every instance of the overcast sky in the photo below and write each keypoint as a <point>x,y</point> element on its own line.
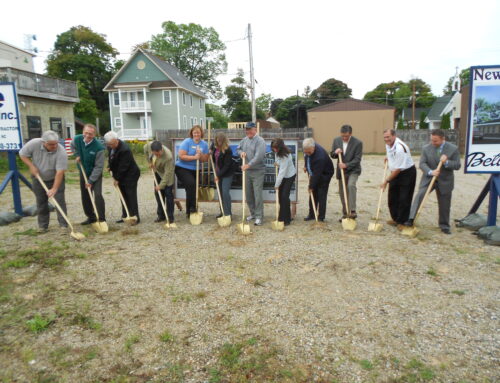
<point>295,43</point>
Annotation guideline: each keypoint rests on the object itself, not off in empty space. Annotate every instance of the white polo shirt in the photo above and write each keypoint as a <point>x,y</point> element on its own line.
<point>399,156</point>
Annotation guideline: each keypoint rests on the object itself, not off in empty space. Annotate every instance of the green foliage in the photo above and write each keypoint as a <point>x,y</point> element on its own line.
<point>330,91</point>
<point>46,254</point>
<point>422,123</point>
<point>464,80</point>
<point>196,51</point>
<point>166,337</point>
<point>383,93</point>
<point>130,341</point>
<point>292,112</point>
<point>216,112</point>
<point>86,109</point>
<point>366,364</point>
<point>136,146</point>
<point>445,121</point>
<point>39,323</point>
<point>238,105</point>
<point>401,124</point>
<point>432,272</point>
<point>80,54</point>
<point>263,102</point>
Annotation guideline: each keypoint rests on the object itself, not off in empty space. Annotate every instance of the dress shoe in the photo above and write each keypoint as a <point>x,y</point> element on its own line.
<point>409,223</point>
<point>446,231</point>
<point>158,219</point>
<point>287,224</point>
<point>309,218</point>
<point>88,221</point>
<point>343,217</point>
<point>119,221</point>
<point>258,222</point>
<point>392,223</point>
<point>353,214</point>
<point>250,218</point>
<point>219,216</point>
<point>42,230</point>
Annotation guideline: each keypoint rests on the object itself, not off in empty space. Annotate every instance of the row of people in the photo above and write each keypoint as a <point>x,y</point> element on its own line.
<point>45,157</point>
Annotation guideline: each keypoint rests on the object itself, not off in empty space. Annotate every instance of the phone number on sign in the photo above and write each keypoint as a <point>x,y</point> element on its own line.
<point>9,146</point>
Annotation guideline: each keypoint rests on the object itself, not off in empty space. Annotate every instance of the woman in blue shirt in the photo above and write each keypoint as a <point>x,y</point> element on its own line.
<point>191,149</point>
<point>285,180</point>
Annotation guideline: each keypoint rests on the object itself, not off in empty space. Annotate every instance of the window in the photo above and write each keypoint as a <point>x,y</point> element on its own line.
<point>116,99</point>
<point>56,126</point>
<point>191,100</point>
<point>166,97</point>
<point>195,121</point>
<point>34,127</point>
<point>201,122</point>
<point>185,122</point>
<point>201,103</point>
<point>192,122</point>
<point>183,98</point>
<point>118,122</point>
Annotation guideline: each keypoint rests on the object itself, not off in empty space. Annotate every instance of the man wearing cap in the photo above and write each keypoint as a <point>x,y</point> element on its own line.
<point>401,180</point>
<point>89,154</point>
<point>253,149</point>
<point>351,150</point>
<point>46,158</point>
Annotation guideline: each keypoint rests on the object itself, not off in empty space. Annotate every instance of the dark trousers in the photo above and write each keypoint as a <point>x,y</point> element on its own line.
<point>88,209</point>
<point>284,199</point>
<point>188,179</point>
<point>42,203</point>
<point>401,193</point>
<point>167,195</point>
<point>129,192</point>
<point>225,191</point>
<point>444,205</point>
<point>320,194</point>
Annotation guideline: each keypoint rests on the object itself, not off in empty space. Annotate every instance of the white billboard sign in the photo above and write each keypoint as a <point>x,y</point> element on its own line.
<point>10,129</point>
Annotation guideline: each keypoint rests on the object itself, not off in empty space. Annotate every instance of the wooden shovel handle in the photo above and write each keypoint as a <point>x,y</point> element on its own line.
<point>346,199</point>
<point>381,193</point>
<point>311,194</point>
<point>91,194</point>
<point>276,196</point>
<point>159,195</point>
<point>428,191</point>
<point>217,185</point>
<point>243,193</point>
<point>53,200</point>
<point>121,197</point>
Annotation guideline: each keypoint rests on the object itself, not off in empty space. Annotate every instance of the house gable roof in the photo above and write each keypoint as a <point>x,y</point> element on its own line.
<point>173,78</point>
<point>350,104</point>
<point>438,107</point>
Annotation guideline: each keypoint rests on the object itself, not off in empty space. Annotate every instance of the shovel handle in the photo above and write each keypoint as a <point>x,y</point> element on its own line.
<point>313,201</point>
<point>381,193</point>
<point>159,195</point>
<point>428,191</point>
<point>346,200</point>
<point>276,196</point>
<point>56,204</point>
<point>243,193</point>
<point>91,194</point>
<point>197,180</point>
<point>216,183</point>
<point>121,198</point>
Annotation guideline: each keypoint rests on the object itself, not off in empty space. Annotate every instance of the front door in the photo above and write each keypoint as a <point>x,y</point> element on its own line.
<point>146,128</point>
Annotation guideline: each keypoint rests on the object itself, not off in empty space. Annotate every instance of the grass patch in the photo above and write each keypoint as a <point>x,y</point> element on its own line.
<point>458,292</point>
<point>366,364</point>
<point>201,294</point>
<point>29,232</point>
<point>130,341</point>
<point>166,337</point>
<point>432,272</point>
<point>39,323</point>
<point>415,371</point>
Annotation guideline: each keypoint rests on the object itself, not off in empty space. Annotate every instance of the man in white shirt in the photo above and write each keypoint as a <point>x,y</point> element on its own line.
<point>402,178</point>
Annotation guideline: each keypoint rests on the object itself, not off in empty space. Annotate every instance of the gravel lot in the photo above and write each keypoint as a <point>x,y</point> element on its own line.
<point>205,304</point>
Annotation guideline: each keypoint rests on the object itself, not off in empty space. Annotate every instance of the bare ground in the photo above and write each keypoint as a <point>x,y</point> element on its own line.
<point>205,304</point>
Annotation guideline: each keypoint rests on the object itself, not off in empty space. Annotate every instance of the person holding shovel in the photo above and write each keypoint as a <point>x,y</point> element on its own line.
<point>224,170</point>
<point>253,149</point>
<point>160,159</point>
<point>401,180</point>
<point>320,169</point>
<point>46,158</point>
<point>438,150</point>
<point>351,150</point>
<point>125,172</point>
<point>192,149</point>
<point>89,153</point>
<point>285,179</point>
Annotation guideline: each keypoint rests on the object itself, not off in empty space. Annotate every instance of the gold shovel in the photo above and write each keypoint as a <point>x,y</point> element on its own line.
<point>375,226</point>
<point>99,227</point>
<point>74,234</point>
<point>347,223</point>
<point>277,225</point>
<point>243,228</point>
<point>315,208</point>
<point>196,217</point>
<point>128,219</point>
<point>168,225</point>
<point>225,220</point>
<point>209,191</point>
<point>413,231</point>
<point>202,190</point>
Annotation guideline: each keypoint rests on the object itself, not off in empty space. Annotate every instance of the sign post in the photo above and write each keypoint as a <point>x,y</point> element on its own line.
<point>11,141</point>
<point>483,132</point>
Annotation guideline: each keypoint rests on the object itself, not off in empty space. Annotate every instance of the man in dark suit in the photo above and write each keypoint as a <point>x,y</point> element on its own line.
<point>351,150</point>
<point>125,171</point>
<point>320,169</point>
<point>438,150</point>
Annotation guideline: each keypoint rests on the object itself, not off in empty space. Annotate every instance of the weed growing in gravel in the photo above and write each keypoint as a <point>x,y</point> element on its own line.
<point>166,337</point>
<point>366,364</point>
<point>130,341</point>
<point>3,253</point>
<point>201,294</point>
<point>29,232</point>
<point>432,272</point>
<point>415,371</point>
<point>39,323</point>
<point>458,292</point>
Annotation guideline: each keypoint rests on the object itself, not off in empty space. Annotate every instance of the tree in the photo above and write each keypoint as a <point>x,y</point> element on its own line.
<point>86,109</point>
<point>275,105</point>
<point>401,124</point>
<point>292,112</point>
<point>80,54</point>
<point>422,124</point>
<point>263,103</point>
<point>220,119</point>
<point>238,105</point>
<point>196,51</point>
<point>445,121</point>
<point>464,80</point>
<point>330,91</point>
<point>383,93</point>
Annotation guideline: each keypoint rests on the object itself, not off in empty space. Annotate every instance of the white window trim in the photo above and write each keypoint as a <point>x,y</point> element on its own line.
<point>118,119</point>
<point>114,99</point>
<point>169,97</point>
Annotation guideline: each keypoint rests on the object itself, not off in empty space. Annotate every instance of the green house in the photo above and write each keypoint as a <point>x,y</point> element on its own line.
<point>148,94</point>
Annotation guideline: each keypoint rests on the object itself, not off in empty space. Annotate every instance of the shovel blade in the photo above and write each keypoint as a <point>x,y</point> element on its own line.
<point>243,228</point>
<point>348,224</point>
<point>210,194</point>
<point>196,218</point>
<point>100,227</point>
<point>375,226</point>
<point>77,236</point>
<point>171,225</point>
<point>410,231</point>
<point>278,225</point>
<point>130,220</point>
<point>224,221</point>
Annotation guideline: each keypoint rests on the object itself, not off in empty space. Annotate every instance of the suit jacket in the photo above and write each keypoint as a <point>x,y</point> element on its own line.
<point>123,165</point>
<point>351,157</point>
<point>429,160</point>
<point>321,167</point>
<point>225,163</point>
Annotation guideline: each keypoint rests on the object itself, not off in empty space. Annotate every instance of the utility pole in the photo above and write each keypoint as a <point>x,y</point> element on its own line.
<point>413,107</point>
<point>297,107</point>
<point>252,78</point>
